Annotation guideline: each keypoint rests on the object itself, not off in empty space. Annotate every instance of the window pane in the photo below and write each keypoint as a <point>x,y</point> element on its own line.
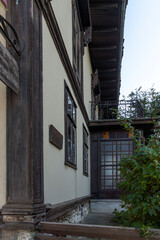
<point>108,159</point>
<point>108,147</point>
<point>102,146</point>
<point>125,148</point>
<point>70,126</point>
<point>102,159</point>
<point>108,172</point>
<point>85,151</point>
<point>77,42</point>
<point>74,113</point>
<point>74,145</point>
<point>69,142</point>
<point>111,153</point>
<point>69,106</point>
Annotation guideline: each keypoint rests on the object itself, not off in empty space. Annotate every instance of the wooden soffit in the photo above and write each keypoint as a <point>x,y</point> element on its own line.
<point>106,48</point>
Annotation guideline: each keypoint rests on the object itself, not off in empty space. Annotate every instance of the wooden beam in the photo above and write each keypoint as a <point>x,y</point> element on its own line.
<point>107,86</point>
<point>102,6</point>
<point>9,71</point>
<point>107,81</point>
<point>103,48</point>
<point>104,1</point>
<point>108,60</point>
<point>105,30</point>
<point>108,90</point>
<point>107,70</point>
<point>93,231</point>
<point>25,118</point>
<point>112,122</point>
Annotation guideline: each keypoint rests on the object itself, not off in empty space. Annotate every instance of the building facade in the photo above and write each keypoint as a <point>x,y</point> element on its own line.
<point>57,57</point>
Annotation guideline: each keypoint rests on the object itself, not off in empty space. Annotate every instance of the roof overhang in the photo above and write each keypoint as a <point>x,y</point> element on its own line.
<point>103,125</point>
<point>106,48</point>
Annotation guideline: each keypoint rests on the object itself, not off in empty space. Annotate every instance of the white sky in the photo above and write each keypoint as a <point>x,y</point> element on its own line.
<point>141,60</point>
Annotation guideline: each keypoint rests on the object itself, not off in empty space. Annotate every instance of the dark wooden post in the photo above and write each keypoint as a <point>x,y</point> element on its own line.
<point>25,117</point>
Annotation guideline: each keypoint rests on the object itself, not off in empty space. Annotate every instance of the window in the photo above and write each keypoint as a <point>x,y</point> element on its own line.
<point>112,151</point>
<point>70,130</point>
<point>85,151</point>
<point>77,43</point>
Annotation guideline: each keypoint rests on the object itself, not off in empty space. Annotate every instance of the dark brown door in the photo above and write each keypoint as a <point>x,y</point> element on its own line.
<point>107,150</point>
<point>111,153</point>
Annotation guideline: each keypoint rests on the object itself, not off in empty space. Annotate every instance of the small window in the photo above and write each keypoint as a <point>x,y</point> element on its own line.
<point>70,130</point>
<point>85,151</point>
<point>77,43</point>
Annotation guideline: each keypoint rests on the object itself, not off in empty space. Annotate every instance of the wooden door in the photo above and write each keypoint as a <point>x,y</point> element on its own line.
<point>107,149</point>
<point>111,153</point>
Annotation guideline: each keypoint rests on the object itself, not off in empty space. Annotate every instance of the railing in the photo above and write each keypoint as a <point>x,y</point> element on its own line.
<point>107,109</point>
<point>59,231</point>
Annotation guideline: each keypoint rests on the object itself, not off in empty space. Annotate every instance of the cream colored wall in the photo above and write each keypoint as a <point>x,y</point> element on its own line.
<point>87,71</point>
<point>61,183</point>
<point>2,135</point>
<point>82,182</point>
<point>63,13</point>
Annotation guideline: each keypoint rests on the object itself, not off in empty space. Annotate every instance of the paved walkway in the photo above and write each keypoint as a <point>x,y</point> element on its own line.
<point>101,212</point>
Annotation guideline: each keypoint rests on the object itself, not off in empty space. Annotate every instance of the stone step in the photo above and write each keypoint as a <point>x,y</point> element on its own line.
<point>105,205</point>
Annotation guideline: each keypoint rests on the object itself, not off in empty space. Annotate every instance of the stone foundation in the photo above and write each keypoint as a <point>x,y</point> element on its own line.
<point>16,235</point>
<point>76,215</point>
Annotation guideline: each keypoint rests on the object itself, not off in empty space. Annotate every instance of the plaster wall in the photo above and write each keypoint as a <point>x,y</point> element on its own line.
<point>61,183</point>
<point>63,13</point>
<point>87,71</point>
<point>2,134</point>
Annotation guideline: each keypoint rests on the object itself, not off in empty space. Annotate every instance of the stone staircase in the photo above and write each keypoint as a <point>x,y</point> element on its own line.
<point>101,212</point>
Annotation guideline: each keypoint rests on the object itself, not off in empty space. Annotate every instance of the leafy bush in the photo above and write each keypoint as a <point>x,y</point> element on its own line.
<point>148,102</point>
<point>140,182</point>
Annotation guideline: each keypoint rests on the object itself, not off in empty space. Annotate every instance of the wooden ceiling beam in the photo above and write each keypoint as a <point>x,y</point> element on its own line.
<point>109,60</point>
<point>103,88</point>
<point>103,6</point>
<point>104,1</point>
<point>105,82</point>
<point>107,91</point>
<point>105,30</point>
<point>103,48</point>
<point>107,70</point>
<point>109,98</point>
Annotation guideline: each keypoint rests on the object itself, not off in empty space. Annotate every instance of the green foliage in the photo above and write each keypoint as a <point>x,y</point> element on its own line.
<point>140,181</point>
<point>148,100</point>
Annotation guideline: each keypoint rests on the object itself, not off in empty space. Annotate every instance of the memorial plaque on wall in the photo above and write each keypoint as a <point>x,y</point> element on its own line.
<point>55,137</point>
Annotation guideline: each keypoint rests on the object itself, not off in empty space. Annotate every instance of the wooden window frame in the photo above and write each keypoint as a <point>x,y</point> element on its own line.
<point>85,147</point>
<point>70,118</point>
<point>77,39</point>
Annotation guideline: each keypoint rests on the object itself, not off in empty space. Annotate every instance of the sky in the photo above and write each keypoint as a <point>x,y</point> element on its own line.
<point>141,60</point>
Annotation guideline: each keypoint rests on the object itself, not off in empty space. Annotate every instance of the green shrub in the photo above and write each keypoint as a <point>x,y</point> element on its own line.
<point>140,183</point>
<point>148,100</point>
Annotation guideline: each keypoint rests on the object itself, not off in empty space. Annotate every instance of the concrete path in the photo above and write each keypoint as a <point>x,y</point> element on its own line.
<point>101,212</point>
